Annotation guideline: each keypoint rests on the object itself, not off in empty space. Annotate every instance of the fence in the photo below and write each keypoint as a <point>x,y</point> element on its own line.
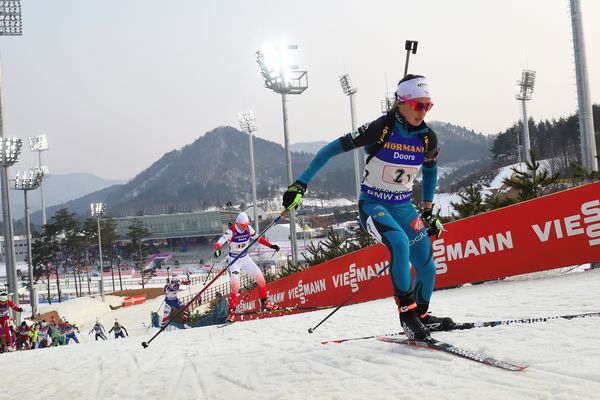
<point>133,281</point>
<point>211,293</point>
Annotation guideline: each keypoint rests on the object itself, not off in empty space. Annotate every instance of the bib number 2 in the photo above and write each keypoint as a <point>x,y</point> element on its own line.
<point>399,175</point>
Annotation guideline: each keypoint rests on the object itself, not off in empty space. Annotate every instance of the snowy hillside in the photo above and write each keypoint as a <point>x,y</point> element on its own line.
<point>491,184</point>
<point>277,359</point>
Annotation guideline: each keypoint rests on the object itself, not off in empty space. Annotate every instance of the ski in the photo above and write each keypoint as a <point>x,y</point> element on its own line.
<point>481,324</point>
<point>448,348</point>
<point>361,338</point>
<point>276,310</point>
<point>282,309</point>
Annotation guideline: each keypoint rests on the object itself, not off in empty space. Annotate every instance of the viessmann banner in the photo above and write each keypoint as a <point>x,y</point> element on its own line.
<point>549,232</point>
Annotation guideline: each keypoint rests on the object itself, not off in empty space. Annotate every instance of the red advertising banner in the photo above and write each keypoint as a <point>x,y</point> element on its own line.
<point>549,232</point>
<point>133,300</point>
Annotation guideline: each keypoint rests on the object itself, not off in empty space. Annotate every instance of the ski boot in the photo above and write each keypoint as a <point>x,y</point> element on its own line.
<point>231,317</point>
<point>433,323</point>
<point>409,319</point>
<point>265,306</point>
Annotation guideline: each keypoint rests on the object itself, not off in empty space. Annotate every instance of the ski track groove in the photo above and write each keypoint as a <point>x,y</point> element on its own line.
<point>561,375</point>
<point>181,366</point>
<point>135,360</point>
<point>235,383</point>
<point>319,356</point>
<point>99,375</point>
<point>198,381</point>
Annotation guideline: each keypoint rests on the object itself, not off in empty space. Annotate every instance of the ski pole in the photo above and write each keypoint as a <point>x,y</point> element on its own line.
<point>148,328</point>
<point>158,309</point>
<point>210,271</point>
<point>311,330</point>
<point>190,282</point>
<point>181,310</point>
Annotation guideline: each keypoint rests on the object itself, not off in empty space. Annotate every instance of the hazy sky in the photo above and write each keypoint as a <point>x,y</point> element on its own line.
<point>115,84</point>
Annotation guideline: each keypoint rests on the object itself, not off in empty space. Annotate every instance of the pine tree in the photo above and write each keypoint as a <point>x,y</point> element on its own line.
<point>531,183</point>
<point>44,257</point>
<point>360,239</point>
<point>314,254</point>
<point>136,233</point>
<point>471,202</point>
<point>333,246</point>
<point>495,201</point>
<point>584,175</point>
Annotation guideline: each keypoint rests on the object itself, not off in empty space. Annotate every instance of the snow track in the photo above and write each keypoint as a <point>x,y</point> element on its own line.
<point>276,358</point>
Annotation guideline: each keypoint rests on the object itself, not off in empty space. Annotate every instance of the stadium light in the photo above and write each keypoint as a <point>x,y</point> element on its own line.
<point>10,18</point>
<point>248,125</point>
<point>350,91</point>
<point>526,85</point>
<point>40,143</point>
<point>10,25</point>
<point>589,155</point>
<point>29,180</point>
<point>282,77</point>
<point>97,211</point>
<point>10,149</point>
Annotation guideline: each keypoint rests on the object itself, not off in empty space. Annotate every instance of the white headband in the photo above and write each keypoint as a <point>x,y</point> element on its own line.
<point>242,218</point>
<point>413,89</point>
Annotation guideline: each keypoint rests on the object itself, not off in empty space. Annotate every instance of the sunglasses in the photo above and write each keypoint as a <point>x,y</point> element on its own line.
<point>416,106</point>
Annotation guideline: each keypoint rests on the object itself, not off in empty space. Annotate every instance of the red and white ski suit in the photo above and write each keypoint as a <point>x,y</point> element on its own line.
<point>238,241</point>
<point>5,317</point>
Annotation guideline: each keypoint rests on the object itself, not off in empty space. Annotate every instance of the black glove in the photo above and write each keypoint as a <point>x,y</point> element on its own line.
<point>217,253</point>
<point>435,225</point>
<point>293,195</point>
<point>275,247</point>
<point>19,309</point>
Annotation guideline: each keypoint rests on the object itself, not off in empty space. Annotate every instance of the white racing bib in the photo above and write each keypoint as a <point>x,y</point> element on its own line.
<point>390,174</point>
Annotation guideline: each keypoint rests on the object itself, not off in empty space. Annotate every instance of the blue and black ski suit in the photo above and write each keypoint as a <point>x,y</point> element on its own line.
<point>395,152</point>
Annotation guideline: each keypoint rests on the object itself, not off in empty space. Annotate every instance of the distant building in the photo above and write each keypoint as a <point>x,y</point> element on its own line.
<point>20,248</point>
<point>262,215</point>
<point>281,233</point>
<point>180,225</point>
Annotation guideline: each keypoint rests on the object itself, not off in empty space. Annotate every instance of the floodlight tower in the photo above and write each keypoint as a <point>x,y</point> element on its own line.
<point>40,143</point>
<point>10,149</point>
<point>283,78</point>
<point>526,85</point>
<point>248,124</point>
<point>97,211</point>
<point>586,122</point>
<point>349,91</point>
<point>29,181</point>
<point>10,25</point>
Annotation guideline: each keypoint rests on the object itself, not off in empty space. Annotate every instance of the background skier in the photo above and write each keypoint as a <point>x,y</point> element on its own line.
<point>99,331</point>
<point>119,329</point>
<point>172,301</point>
<point>238,236</point>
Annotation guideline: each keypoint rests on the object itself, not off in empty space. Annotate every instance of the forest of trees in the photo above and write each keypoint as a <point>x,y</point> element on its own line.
<point>558,139</point>
<point>67,245</point>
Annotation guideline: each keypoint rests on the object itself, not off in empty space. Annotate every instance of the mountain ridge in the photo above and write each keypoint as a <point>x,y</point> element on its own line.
<point>215,169</point>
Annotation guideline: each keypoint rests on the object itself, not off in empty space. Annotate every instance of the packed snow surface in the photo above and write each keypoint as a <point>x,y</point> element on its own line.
<point>276,358</point>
